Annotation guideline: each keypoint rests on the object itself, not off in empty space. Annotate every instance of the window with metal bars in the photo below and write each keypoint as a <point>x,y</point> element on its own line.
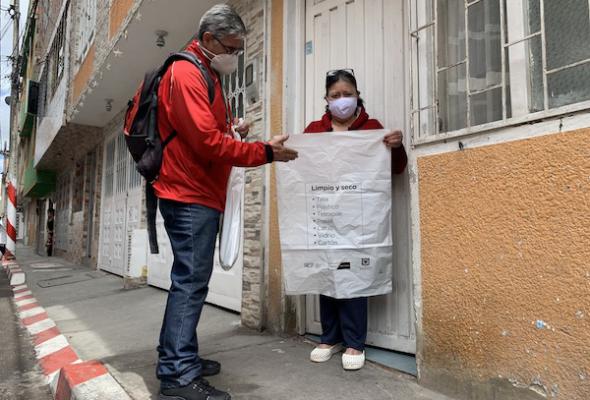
<point>57,55</point>
<point>482,62</point>
<point>234,86</point>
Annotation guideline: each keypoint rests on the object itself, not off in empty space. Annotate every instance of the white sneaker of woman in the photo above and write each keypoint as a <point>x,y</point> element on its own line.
<point>322,355</point>
<point>353,362</point>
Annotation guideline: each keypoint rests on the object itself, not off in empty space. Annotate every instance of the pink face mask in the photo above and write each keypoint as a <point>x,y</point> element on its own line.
<point>344,107</point>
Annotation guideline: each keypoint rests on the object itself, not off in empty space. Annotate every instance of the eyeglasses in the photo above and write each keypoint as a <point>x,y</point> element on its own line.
<point>230,50</point>
<point>334,72</point>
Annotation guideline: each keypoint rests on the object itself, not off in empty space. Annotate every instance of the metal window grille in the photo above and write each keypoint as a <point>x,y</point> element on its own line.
<point>56,57</point>
<point>109,168</point>
<point>476,62</point>
<point>134,176</point>
<point>121,165</point>
<point>234,86</point>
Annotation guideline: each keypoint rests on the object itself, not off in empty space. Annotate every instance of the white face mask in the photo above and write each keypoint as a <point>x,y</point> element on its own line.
<point>344,107</point>
<point>225,64</point>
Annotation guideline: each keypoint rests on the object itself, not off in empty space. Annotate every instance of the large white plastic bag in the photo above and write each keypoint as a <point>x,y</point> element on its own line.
<point>231,228</point>
<point>335,215</point>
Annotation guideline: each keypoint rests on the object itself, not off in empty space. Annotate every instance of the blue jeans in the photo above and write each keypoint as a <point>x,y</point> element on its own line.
<point>344,321</point>
<point>192,230</point>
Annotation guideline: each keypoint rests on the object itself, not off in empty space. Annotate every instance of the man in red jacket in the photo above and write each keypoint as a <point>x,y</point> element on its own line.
<point>192,191</point>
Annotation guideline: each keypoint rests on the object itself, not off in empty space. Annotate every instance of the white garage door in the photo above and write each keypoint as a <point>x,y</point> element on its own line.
<point>121,205</point>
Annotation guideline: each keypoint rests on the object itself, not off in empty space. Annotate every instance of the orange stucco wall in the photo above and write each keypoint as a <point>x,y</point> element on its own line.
<point>117,14</point>
<point>83,75</point>
<point>505,243</point>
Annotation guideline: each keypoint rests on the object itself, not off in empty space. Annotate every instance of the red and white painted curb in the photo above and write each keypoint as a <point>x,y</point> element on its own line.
<point>10,221</point>
<point>15,274</point>
<point>69,377</point>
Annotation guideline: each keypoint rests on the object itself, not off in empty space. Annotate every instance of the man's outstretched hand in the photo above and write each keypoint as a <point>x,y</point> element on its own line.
<point>279,151</point>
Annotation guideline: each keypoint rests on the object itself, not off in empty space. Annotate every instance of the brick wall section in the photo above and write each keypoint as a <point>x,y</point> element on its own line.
<point>252,12</point>
<point>111,17</point>
<point>117,13</point>
<point>83,75</point>
<point>77,228</point>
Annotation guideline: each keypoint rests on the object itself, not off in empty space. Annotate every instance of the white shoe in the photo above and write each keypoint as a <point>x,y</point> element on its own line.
<point>322,355</point>
<point>353,362</point>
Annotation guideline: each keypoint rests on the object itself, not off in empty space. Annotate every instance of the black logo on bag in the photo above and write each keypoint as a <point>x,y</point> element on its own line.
<point>344,265</point>
<point>365,261</point>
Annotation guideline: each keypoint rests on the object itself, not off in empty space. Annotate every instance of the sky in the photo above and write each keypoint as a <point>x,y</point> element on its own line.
<point>5,67</point>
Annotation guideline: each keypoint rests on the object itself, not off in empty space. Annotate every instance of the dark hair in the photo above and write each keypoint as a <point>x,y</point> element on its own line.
<point>342,75</point>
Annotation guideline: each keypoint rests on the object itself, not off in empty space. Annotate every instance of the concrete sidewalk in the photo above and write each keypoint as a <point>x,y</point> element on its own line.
<point>120,327</point>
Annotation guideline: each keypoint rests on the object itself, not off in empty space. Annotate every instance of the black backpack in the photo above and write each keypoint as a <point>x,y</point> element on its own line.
<point>142,135</point>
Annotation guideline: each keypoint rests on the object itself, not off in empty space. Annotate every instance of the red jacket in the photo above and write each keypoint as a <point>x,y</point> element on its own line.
<point>197,163</point>
<point>399,159</point>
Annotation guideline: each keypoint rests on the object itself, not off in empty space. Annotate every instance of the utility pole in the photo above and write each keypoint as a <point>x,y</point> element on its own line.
<point>11,185</point>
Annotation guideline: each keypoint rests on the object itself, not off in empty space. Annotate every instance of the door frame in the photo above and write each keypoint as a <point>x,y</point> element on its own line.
<point>294,23</point>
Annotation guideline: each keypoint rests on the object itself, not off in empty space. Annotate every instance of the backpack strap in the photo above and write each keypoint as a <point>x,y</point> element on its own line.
<point>151,202</point>
<point>193,59</point>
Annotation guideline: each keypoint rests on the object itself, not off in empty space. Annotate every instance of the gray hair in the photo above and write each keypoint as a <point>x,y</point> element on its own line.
<point>221,20</point>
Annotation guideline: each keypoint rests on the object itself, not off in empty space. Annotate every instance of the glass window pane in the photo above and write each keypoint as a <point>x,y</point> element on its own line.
<point>427,122</point>
<point>241,105</point>
<point>451,32</point>
<point>526,77</point>
<point>485,45</point>
<point>422,13</point>
<point>486,107</point>
<point>452,97</point>
<point>233,81</point>
<point>569,86</point>
<point>534,49</point>
<point>508,98</point>
<point>567,27</point>
<point>424,67</point>
<point>533,16</point>
<point>241,71</point>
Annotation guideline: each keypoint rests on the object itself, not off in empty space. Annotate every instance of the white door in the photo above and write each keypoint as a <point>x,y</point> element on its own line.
<point>367,36</point>
<point>120,209</point>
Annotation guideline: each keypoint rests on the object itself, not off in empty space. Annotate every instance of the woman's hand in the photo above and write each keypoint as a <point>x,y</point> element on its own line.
<point>393,139</point>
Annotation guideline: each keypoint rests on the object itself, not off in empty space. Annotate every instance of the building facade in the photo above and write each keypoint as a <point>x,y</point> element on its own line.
<point>491,218</point>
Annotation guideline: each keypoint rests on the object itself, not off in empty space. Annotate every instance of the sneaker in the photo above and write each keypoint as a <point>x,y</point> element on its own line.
<point>353,362</point>
<point>198,390</point>
<point>322,355</point>
<point>209,367</point>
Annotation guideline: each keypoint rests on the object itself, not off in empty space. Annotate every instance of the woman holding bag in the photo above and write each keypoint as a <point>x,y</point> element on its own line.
<point>344,321</point>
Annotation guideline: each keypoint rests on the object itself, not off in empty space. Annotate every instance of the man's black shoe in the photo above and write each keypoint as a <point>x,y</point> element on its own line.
<point>198,390</point>
<point>209,367</point>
